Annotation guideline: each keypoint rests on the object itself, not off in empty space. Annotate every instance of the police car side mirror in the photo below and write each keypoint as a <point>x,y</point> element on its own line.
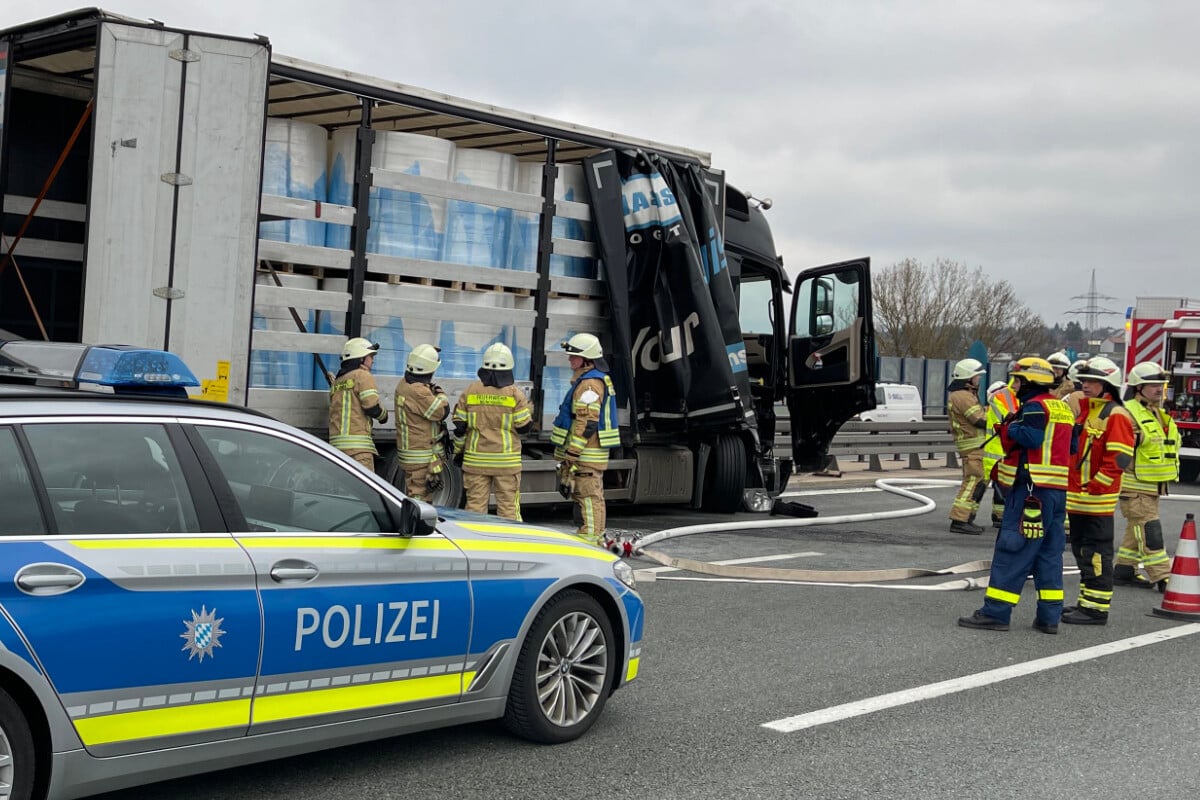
<point>416,518</point>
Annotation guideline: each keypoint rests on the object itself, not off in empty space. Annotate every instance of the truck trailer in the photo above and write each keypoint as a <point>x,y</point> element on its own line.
<point>249,211</point>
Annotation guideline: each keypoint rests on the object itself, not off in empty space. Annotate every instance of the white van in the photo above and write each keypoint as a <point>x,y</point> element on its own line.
<point>895,402</point>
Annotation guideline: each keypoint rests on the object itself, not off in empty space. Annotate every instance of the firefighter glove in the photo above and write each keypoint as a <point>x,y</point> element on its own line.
<point>1031,519</point>
<point>565,472</point>
<point>434,480</point>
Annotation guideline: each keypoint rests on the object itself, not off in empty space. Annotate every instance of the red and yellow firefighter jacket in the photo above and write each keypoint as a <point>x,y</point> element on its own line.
<point>1105,450</point>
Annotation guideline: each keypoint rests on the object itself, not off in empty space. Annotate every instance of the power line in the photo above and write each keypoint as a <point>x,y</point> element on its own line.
<point>1092,310</point>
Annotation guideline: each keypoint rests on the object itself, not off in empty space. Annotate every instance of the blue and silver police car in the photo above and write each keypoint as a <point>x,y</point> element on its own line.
<point>187,586</point>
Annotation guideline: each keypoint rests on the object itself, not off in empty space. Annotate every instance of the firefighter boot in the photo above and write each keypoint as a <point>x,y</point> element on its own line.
<point>1126,575</point>
<point>1083,616</point>
<point>958,526</point>
<point>983,622</point>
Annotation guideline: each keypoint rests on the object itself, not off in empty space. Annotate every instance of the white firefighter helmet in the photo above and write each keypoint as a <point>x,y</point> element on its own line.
<point>358,347</point>
<point>1059,360</point>
<point>1147,372</point>
<point>498,356</point>
<point>995,387</point>
<point>584,345</point>
<point>1101,369</point>
<point>1073,372</point>
<point>966,369</point>
<point>423,360</point>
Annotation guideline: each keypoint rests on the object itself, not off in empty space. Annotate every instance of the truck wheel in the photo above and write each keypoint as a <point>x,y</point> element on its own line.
<point>451,493</point>
<point>1189,470</point>
<point>564,671</point>
<point>16,750</point>
<point>726,478</point>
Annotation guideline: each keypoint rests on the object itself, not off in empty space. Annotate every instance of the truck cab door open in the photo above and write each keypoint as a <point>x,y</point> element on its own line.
<point>831,356</point>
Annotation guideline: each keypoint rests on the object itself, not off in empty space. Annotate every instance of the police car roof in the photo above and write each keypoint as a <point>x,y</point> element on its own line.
<point>24,398</point>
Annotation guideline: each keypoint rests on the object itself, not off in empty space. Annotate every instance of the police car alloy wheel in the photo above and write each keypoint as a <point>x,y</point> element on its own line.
<point>564,672</point>
<point>16,752</point>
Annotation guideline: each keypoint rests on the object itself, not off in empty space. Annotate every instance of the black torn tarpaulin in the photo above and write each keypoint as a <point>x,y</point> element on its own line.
<point>678,354</point>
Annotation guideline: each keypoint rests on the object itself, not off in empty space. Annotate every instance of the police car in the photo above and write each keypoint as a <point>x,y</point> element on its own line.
<point>187,586</point>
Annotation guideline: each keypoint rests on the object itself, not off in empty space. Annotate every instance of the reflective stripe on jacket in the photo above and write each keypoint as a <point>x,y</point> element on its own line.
<point>419,413</point>
<point>590,401</point>
<point>491,445</point>
<point>349,426</point>
<point>1156,450</point>
<point>1105,450</point>
<point>965,412</point>
<point>1047,461</point>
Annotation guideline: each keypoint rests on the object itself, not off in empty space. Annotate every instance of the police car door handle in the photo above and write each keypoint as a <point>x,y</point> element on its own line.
<point>293,572</point>
<point>44,579</point>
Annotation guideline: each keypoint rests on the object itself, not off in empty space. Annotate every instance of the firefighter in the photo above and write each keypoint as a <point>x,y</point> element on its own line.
<point>421,406</point>
<point>1037,444</point>
<point>488,418</point>
<point>1105,451</point>
<point>354,405</point>
<point>1075,397</point>
<point>968,420</point>
<point>1063,384</point>
<point>1002,401</point>
<point>584,431</point>
<point>1155,464</point>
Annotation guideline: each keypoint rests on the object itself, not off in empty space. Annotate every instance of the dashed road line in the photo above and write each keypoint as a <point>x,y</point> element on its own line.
<point>883,702</point>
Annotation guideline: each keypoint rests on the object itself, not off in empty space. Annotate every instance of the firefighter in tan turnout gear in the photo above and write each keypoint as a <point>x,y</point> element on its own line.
<point>584,431</point>
<point>968,423</point>
<point>354,404</point>
<point>421,406</point>
<point>1155,464</point>
<point>488,419</point>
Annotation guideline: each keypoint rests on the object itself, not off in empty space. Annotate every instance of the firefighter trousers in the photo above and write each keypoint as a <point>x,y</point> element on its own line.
<point>507,489</point>
<point>1016,557</point>
<point>415,479</point>
<point>588,496</point>
<point>1092,545</point>
<point>366,460</point>
<point>970,491</point>
<point>1143,541</point>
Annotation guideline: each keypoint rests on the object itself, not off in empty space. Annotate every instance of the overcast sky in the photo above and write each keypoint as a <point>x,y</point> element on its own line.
<point>1037,140</point>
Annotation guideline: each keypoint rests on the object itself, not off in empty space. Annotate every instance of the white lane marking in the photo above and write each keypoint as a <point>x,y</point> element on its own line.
<point>885,701</point>
<point>958,584</point>
<point>750,560</point>
<point>856,490</point>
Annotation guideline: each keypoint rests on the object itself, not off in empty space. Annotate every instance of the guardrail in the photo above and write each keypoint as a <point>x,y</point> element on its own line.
<point>874,439</point>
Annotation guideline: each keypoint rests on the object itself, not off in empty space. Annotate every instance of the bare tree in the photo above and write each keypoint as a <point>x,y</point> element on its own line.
<point>936,311</point>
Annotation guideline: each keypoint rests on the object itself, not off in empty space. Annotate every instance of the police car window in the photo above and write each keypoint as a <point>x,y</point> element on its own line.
<point>281,486</point>
<point>17,497</point>
<point>112,477</point>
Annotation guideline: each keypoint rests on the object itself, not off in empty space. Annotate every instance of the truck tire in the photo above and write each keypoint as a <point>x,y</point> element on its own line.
<point>726,477</point>
<point>564,672</point>
<point>17,753</point>
<point>1189,470</point>
<point>451,493</point>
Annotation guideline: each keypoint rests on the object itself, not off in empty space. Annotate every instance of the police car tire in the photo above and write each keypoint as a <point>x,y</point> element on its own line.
<point>726,476</point>
<point>524,715</point>
<point>17,745</point>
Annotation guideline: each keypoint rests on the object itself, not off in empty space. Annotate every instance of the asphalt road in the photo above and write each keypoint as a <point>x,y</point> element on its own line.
<point>724,658</point>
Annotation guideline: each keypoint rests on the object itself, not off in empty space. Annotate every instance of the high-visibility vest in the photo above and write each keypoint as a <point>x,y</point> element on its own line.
<point>1105,450</point>
<point>1048,464</point>
<point>1156,452</point>
<point>1003,403</point>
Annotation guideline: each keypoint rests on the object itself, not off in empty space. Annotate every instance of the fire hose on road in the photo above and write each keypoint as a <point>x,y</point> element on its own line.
<point>776,574</point>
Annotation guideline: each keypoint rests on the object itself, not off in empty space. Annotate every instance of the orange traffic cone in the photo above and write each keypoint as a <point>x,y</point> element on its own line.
<point>1182,598</point>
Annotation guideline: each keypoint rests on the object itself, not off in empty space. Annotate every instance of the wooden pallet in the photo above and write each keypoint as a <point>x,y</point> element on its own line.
<point>288,268</point>
<point>470,286</point>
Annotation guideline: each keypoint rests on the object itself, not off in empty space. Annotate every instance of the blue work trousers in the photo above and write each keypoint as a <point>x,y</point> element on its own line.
<point>1016,558</point>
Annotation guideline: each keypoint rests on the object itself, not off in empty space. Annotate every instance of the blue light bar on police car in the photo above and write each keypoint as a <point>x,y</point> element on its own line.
<point>118,367</point>
<point>109,365</point>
